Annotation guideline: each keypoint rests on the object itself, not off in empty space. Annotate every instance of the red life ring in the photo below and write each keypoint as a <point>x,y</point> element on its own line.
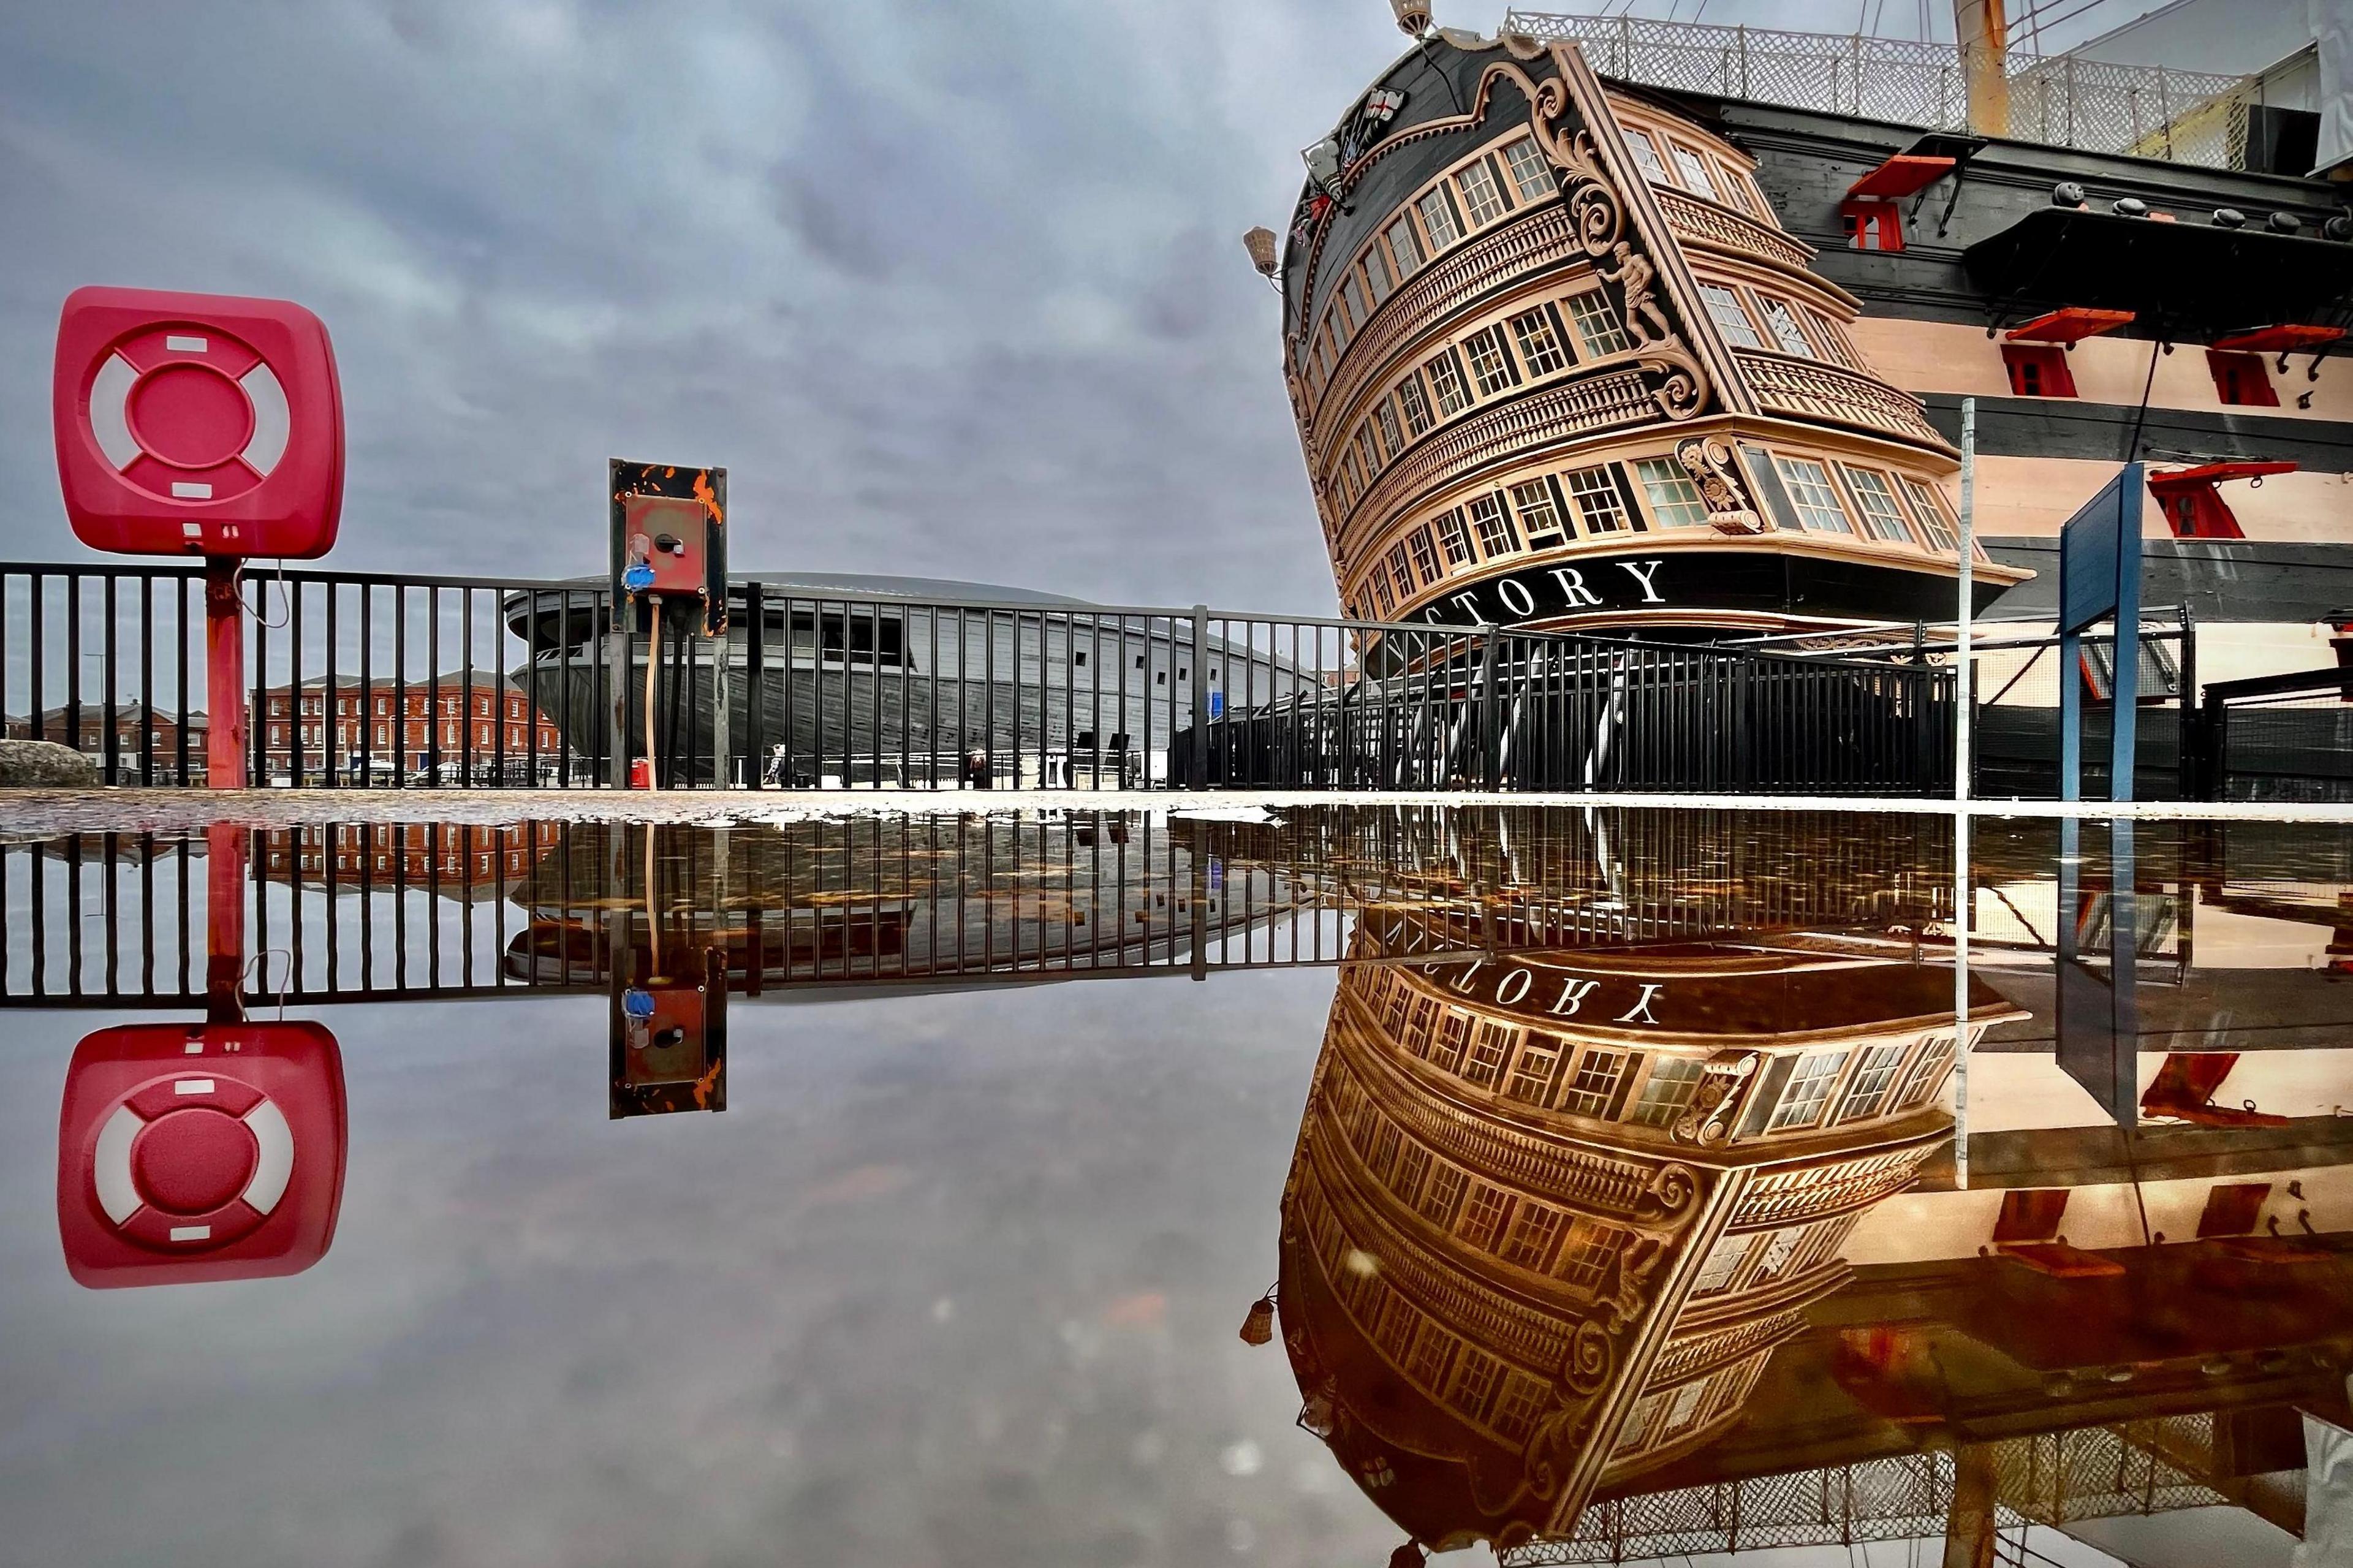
<point>188,413</point>
<point>191,1162</point>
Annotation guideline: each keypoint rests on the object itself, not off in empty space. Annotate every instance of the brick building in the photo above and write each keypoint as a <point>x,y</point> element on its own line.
<point>461,724</point>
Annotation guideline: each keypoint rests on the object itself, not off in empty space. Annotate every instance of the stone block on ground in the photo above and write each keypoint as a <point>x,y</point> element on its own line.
<point>45,764</point>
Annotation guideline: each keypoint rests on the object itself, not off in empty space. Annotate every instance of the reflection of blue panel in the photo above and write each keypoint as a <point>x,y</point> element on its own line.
<point>1216,704</point>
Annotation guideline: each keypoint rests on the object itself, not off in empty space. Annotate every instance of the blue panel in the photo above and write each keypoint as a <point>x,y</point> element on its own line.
<point>2095,546</point>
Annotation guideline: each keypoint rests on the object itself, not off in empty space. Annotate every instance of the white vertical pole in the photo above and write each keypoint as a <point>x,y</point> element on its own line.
<point>1968,588</point>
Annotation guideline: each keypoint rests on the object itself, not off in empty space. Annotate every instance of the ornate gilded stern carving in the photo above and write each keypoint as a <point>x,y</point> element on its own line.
<point>1723,1087</point>
<point>1598,212</point>
<point>1709,462</point>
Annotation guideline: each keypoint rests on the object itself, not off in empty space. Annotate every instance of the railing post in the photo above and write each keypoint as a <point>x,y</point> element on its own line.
<point>224,674</point>
<point>1491,754</point>
<point>755,670</point>
<point>616,659</point>
<point>1198,768</point>
<point>2186,736</point>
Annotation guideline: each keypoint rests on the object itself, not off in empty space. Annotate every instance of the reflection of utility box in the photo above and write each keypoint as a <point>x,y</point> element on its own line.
<point>197,1152</point>
<point>669,1048</point>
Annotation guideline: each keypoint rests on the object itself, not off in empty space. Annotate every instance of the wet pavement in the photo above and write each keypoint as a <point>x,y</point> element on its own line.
<point>1586,1185</point>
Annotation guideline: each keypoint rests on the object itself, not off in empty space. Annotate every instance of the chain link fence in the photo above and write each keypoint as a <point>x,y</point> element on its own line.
<point>2148,111</point>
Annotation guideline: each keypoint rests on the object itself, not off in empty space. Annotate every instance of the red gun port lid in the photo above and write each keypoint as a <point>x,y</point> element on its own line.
<point>190,1153</point>
<point>197,424</point>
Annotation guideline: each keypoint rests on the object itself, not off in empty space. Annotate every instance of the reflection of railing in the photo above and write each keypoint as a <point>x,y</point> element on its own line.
<point>2151,111</point>
<point>1812,390</point>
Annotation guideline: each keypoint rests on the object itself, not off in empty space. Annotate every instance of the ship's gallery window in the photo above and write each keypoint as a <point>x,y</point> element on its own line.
<point>1480,198</point>
<point>1376,273</point>
<point>1482,1217</point>
<point>1540,346</point>
<point>1415,404</point>
<point>1532,1069</point>
<point>1400,572</point>
<point>1809,484</point>
<point>1829,332</point>
<point>1693,169</point>
<point>1646,157</point>
<point>1531,171</point>
<point>1867,1090</point>
<point>1494,529</point>
<point>1600,505</point>
<point>1807,1091</point>
<point>1438,221</point>
<point>1446,382</point>
<point>2241,380</point>
<point>1723,309</point>
<point>1597,323</point>
<point>1490,361</point>
<point>1674,500</point>
<point>1540,512</point>
<point>1926,1072</point>
<point>2038,370</point>
<point>1882,517</point>
<point>1588,1093</point>
<point>1404,250</point>
<point>1391,436</point>
<point>1930,510</point>
<point>1672,1084</point>
<point>1535,1228</point>
<point>1353,291</point>
<point>1454,539</point>
<point>1425,554</point>
<point>1783,324</point>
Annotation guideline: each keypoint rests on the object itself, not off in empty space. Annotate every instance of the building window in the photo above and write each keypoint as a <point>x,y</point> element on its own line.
<point>1438,218</point>
<point>1926,1073</point>
<point>1425,556</point>
<point>1534,1229</point>
<point>2038,370</point>
<point>1882,517</point>
<point>1400,573</point>
<point>1723,309</point>
<point>1376,273</point>
<point>1783,324</point>
<point>1674,500</point>
<point>1490,361</point>
<point>1808,1090</point>
<point>1482,1224</point>
<point>278,734</point>
<point>1532,1070</point>
<point>1495,534</point>
<point>1598,1072</point>
<point>1866,1091</point>
<point>1540,347</point>
<point>1531,170</point>
<point>1454,539</point>
<point>1539,512</point>
<point>1667,1092</point>
<point>1600,506</point>
<point>1693,169</point>
<point>1446,382</point>
<point>1597,323</point>
<point>1481,198</point>
<point>384,734</point>
<point>1392,438</point>
<point>1646,157</point>
<point>1931,513</point>
<point>1404,250</point>
<point>2241,380</point>
<point>1809,484</point>
<point>1415,405</point>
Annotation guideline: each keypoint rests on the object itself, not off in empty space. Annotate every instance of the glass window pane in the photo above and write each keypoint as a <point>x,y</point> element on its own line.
<point>1405,248</point>
<point>1723,309</point>
<point>1809,484</point>
<point>1494,529</point>
<point>1540,346</point>
<point>1438,219</point>
<point>1674,500</point>
<point>1415,405</point>
<point>1597,323</point>
<point>1480,200</point>
<point>1882,517</point>
<point>1599,506</point>
<point>1646,157</point>
<point>1693,169</point>
<point>1446,382</point>
<point>1532,499</point>
<point>1930,510</point>
<point>1531,171</point>
<point>1490,361</point>
<point>1786,330</point>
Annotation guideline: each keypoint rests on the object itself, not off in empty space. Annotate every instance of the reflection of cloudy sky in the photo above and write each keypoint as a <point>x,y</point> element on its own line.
<point>955,1280</point>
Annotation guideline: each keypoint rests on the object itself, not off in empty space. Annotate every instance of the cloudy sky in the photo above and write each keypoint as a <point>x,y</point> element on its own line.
<point>951,288</point>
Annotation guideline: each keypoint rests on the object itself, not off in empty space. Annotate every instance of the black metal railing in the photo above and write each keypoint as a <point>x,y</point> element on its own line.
<point>380,680</point>
<point>2276,737</point>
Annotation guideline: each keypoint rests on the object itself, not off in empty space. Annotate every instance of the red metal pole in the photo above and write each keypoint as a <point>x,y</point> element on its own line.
<point>223,673</point>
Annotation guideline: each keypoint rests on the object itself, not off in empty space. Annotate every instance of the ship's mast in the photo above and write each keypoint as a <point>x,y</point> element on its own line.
<point>1984,35</point>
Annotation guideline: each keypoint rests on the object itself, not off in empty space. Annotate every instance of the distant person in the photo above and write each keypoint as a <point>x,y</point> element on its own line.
<point>976,773</point>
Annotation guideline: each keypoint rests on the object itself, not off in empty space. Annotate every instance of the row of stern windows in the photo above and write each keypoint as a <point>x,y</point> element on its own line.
<point>1828,1086</point>
<point>1444,1366</point>
<point>1826,496</point>
<point>1537,344</point>
<point>1476,195</point>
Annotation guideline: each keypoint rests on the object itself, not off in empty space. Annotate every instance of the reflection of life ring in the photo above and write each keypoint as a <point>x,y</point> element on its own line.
<point>188,1162</point>
<point>189,414</point>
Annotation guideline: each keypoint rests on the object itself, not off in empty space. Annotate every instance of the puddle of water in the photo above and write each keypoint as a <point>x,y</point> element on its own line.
<point>1587,1185</point>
